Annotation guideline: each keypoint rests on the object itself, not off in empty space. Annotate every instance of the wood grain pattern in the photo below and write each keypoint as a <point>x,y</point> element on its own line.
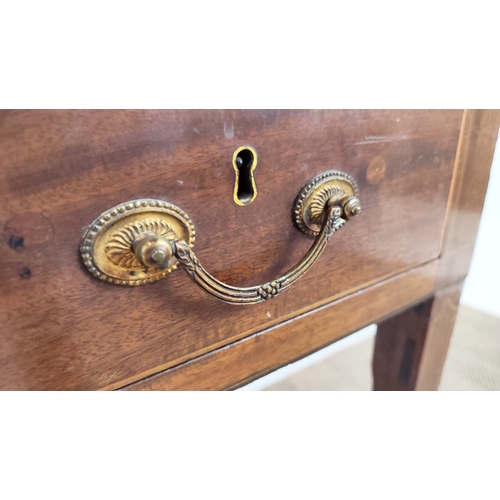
<point>411,347</point>
<point>62,329</point>
<point>470,181</point>
<point>472,171</point>
<point>259,354</point>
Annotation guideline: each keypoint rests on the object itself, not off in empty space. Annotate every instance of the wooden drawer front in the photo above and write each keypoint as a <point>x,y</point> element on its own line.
<point>64,329</point>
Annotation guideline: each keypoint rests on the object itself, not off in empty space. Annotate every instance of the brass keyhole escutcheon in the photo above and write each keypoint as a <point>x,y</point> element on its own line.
<point>244,164</point>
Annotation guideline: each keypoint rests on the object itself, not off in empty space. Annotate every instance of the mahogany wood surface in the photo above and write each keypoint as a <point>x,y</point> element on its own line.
<point>255,356</point>
<point>470,181</point>
<point>63,329</point>
<point>411,347</point>
<point>263,352</point>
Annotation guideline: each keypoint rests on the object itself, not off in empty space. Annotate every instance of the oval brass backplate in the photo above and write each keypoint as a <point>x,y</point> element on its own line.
<point>334,187</point>
<point>107,250</point>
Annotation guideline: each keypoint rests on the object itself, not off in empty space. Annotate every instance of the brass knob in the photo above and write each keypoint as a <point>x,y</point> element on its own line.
<point>352,207</point>
<point>153,250</point>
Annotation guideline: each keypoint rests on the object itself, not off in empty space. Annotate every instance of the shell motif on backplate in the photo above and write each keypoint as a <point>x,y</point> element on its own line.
<point>119,248</point>
<point>318,205</point>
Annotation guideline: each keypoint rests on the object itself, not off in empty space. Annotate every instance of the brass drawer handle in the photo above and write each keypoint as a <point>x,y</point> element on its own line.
<point>142,241</point>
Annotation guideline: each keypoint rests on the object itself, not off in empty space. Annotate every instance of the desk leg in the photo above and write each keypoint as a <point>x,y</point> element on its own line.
<point>410,348</point>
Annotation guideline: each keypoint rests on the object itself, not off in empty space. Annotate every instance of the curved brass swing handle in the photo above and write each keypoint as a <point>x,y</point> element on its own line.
<point>144,240</point>
<point>258,293</point>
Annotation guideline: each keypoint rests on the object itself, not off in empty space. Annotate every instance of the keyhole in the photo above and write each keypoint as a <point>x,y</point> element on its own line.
<point>244,163</point>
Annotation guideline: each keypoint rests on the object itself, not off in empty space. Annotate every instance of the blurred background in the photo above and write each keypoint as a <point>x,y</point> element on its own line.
<point>473,361</point>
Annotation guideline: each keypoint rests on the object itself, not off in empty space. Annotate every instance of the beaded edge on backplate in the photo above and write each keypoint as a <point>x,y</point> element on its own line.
<point>305,199</point>
<point>110,217</point>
